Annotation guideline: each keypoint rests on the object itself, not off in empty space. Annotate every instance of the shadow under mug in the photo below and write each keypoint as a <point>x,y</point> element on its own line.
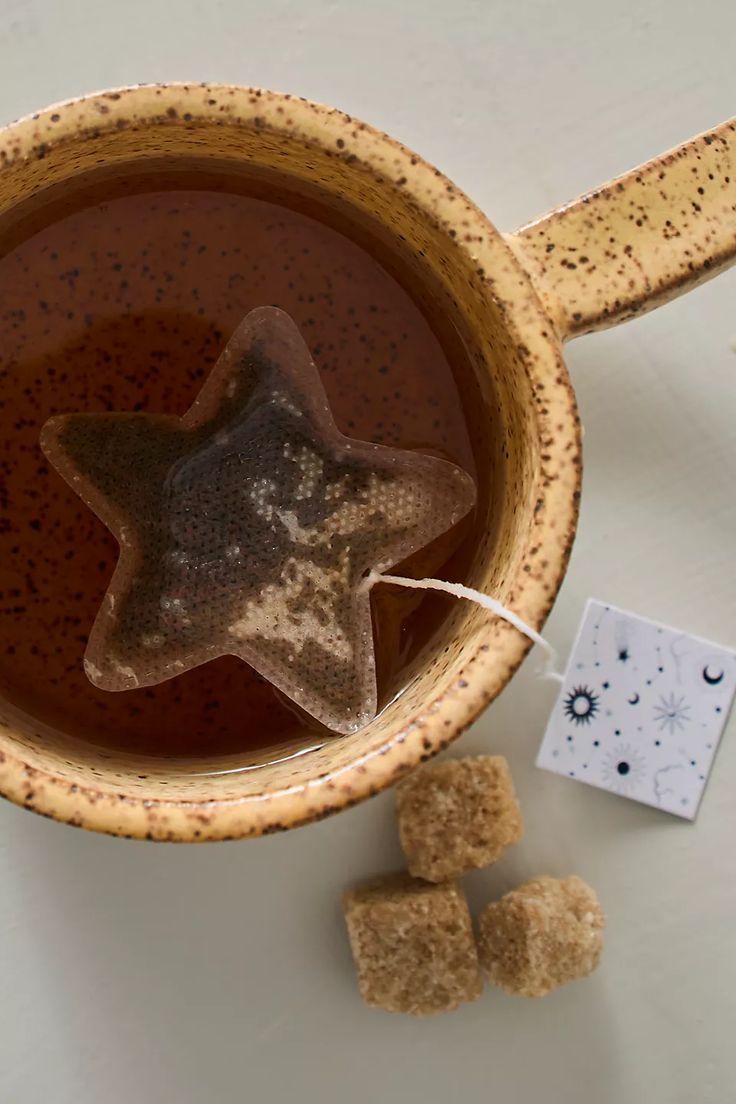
<point>512,300</point>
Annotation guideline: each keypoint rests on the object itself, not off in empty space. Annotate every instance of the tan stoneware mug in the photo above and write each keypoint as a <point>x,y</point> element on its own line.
<point>511,299</point>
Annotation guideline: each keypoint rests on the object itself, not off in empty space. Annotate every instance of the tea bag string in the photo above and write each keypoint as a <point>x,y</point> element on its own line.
<point>458,590</point>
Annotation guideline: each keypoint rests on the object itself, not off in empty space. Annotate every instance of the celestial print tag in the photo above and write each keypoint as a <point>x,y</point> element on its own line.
<point>641,710</point>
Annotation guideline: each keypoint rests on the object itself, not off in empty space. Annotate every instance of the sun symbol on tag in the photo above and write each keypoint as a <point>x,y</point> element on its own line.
<point>581,705</point>
<point>623,769</point>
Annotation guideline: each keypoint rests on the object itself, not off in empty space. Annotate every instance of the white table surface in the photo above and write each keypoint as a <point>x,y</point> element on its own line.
<point>133,972</point>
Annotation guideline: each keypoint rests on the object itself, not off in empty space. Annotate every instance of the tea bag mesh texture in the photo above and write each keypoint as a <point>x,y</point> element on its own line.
<point>250,527</point>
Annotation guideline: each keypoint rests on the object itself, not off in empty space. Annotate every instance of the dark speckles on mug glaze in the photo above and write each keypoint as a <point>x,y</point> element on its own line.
<point>474,284</point>
<point>640,240</point>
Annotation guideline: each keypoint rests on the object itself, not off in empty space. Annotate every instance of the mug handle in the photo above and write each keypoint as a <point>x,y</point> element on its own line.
<point>638,241</point>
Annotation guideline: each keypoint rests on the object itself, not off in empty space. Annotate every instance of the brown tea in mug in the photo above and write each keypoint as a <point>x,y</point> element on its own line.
<point>123,302</point>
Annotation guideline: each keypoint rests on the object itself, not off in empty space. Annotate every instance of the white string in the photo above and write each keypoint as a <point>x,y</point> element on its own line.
<point>459,591</point>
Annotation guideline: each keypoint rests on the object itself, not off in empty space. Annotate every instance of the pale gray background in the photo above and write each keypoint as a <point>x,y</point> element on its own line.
<point>133,972</point>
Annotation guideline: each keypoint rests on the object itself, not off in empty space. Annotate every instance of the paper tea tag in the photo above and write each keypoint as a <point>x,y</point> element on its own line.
<point>641,710</point>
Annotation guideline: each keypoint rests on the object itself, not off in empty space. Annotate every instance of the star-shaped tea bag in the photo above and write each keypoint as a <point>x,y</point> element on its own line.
<point>250,527</point>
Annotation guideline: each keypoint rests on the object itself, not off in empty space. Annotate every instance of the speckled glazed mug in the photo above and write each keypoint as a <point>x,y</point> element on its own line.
<point>510,299</point>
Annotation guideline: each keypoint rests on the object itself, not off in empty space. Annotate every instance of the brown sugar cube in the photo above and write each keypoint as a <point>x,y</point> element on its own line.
<point>457,815</point>
<point>413,945</point>
<point>541,935</point>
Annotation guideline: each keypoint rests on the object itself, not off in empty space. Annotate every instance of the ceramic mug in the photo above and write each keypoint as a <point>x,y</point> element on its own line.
<point>512,299</point>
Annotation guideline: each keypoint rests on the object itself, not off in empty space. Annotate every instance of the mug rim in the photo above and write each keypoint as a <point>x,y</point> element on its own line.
<point>487,668</point>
